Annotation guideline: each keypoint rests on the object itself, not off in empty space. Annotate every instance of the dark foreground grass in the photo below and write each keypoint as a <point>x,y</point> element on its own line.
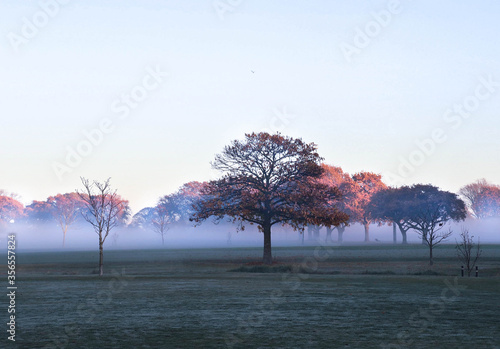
<point>190,299</point>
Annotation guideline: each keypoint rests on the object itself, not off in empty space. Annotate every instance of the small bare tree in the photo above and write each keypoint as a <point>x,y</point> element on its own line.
<point>103,209</point>
<point>468,252</point>
<point>161,221</point>
<point>167,211</point>
<point>432,238</point>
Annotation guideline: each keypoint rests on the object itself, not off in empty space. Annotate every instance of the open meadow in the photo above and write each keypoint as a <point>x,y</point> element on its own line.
<point>357,296</point>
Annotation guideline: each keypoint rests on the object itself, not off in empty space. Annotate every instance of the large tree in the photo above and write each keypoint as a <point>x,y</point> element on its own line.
<point>105,210</point>
<point>268,180</point>
<point>482,198</point>
<point>366,185</point>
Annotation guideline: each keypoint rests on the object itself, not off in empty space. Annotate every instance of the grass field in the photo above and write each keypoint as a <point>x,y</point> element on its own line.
<point>335,297</point>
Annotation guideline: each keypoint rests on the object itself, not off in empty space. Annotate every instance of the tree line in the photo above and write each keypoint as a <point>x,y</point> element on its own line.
<point>269,180</point>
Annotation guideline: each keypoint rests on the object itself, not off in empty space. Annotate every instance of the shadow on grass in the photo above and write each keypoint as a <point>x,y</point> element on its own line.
<point>292,269</point>
<point>373,272</point>
<point>264,269</point>
<point>428,272</point>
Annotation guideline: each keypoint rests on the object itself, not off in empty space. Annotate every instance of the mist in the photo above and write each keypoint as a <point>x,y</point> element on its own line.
<point>48,236</point>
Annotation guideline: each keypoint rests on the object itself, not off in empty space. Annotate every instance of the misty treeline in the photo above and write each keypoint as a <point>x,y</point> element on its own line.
<point>274,179</point>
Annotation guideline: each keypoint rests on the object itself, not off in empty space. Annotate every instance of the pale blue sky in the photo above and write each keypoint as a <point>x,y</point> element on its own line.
<point>364,114</point>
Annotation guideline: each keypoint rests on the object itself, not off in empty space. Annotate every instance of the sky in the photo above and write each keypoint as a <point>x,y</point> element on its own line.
<point>148,92</point>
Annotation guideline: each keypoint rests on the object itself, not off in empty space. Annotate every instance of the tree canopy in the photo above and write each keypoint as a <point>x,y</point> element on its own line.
<point>334,176</point>
<point>366,184</point>
<point>393,204</point>
<point>66,209</point>
<point>10,209</point>
<point>482,198</point>
<point>422,207</point>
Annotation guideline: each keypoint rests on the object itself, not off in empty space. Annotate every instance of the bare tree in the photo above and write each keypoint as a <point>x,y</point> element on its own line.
<point>161,222</point>
<point>167,211</point>
<point>432,239</point>
<point>468,252</point>
<point>104,207</point>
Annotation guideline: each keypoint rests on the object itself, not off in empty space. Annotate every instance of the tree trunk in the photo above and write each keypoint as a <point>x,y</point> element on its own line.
<point>403,234</point>
<point>367,232</point>
<point>340,231</point>
<point>431,262</point>
<point>309,232</point>
<point>316,231</point>
<point>394,237</point>
<point>101,255</point>
<point>267,258</point>
<point>64,235</point>
<point>328,234</point>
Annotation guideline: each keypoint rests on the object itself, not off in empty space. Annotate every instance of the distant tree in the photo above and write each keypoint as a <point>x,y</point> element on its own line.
<point>431,208</point>
<point>268,180</point>
<point>313,231</point>
<point>12,195</point>
<point>468,252</point>
<point>66,208</point>
<point>10,209</point>
<point>184,199</point>
<point>143,219</point>
<point>166,212</point>
<point>366,184</point>
<point>482,198</point>
<point>105,210</point>
<point>335,177</point>
<point>394,205</point>
<point>171,209</point>
<point>161,222</point>
<point>39,212</point>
